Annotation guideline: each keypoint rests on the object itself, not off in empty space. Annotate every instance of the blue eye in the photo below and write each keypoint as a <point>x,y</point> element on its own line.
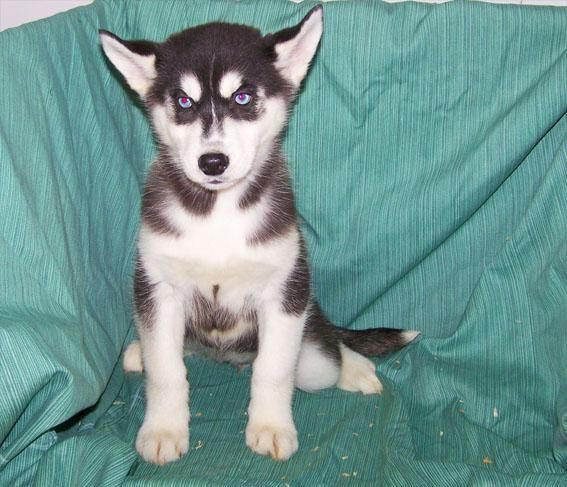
<point>185,102</point>
<point>242,98</point>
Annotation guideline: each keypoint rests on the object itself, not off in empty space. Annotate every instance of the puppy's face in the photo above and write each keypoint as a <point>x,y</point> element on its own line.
<point>218,94</point>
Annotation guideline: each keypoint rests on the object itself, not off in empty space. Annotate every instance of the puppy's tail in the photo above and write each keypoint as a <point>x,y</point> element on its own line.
<point>376,342</point>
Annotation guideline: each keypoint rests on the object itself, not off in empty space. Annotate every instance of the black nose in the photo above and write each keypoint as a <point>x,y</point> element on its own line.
<point>213,164</point>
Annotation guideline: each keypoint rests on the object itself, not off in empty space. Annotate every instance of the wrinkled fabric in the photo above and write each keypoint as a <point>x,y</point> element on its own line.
<point>429,157</point>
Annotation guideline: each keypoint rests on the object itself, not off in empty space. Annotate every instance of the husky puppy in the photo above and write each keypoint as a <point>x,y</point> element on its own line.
<point>221,264</point>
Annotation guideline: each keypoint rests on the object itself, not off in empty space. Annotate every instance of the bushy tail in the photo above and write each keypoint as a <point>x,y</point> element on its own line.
<point>376,341</point>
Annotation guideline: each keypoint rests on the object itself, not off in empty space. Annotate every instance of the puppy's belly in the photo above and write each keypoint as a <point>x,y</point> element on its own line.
<point>225,333</point>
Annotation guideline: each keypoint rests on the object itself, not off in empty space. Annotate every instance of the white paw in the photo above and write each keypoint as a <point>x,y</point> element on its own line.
<point>162,445</point>
<point>358,374</point>
<point>133,358</point>
<point>278,441</point>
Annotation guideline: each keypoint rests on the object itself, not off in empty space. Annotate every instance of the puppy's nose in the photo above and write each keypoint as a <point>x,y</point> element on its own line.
<point>213,164</point>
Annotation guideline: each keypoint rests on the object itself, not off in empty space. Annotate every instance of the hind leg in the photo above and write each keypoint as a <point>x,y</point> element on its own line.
<point>317,369</point>
<point>358,374</point>
<point>321,368</point>
<point>132,361</point>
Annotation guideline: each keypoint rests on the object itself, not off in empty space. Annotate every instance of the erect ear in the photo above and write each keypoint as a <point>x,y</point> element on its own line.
<point>134,59</point>
<point>295,47</point>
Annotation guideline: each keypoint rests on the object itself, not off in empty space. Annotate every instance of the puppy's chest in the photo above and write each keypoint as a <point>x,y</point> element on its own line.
<point>222,273</point>
<point>215,250</point>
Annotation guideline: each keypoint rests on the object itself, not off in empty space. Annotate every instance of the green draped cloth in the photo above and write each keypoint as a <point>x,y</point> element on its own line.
<point>428,151</point>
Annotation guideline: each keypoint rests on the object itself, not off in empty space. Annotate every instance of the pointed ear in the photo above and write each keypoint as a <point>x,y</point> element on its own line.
<point>134,59</point>
<point>295,47</point>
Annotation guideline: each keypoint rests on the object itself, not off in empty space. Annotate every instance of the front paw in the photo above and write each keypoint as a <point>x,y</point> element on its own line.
<point>278,441</point>
<point>162,445</point>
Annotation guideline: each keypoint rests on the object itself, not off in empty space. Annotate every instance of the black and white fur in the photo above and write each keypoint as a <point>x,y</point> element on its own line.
<point>222,265</point>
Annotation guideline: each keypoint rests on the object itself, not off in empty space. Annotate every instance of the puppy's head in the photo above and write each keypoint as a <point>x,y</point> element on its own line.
<point>218,94</point>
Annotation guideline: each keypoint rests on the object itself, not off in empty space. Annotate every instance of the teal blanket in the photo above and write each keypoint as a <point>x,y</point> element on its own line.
<point>429,156</point>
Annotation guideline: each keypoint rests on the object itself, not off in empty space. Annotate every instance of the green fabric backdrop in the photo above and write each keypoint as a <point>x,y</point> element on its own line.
<point>429,156</point>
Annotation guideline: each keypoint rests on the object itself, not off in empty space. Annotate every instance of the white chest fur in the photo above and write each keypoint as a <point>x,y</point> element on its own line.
<point>215,250</point>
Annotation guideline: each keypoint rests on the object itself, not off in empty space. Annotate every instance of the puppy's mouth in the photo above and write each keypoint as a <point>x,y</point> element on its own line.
<point>219,183</point>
